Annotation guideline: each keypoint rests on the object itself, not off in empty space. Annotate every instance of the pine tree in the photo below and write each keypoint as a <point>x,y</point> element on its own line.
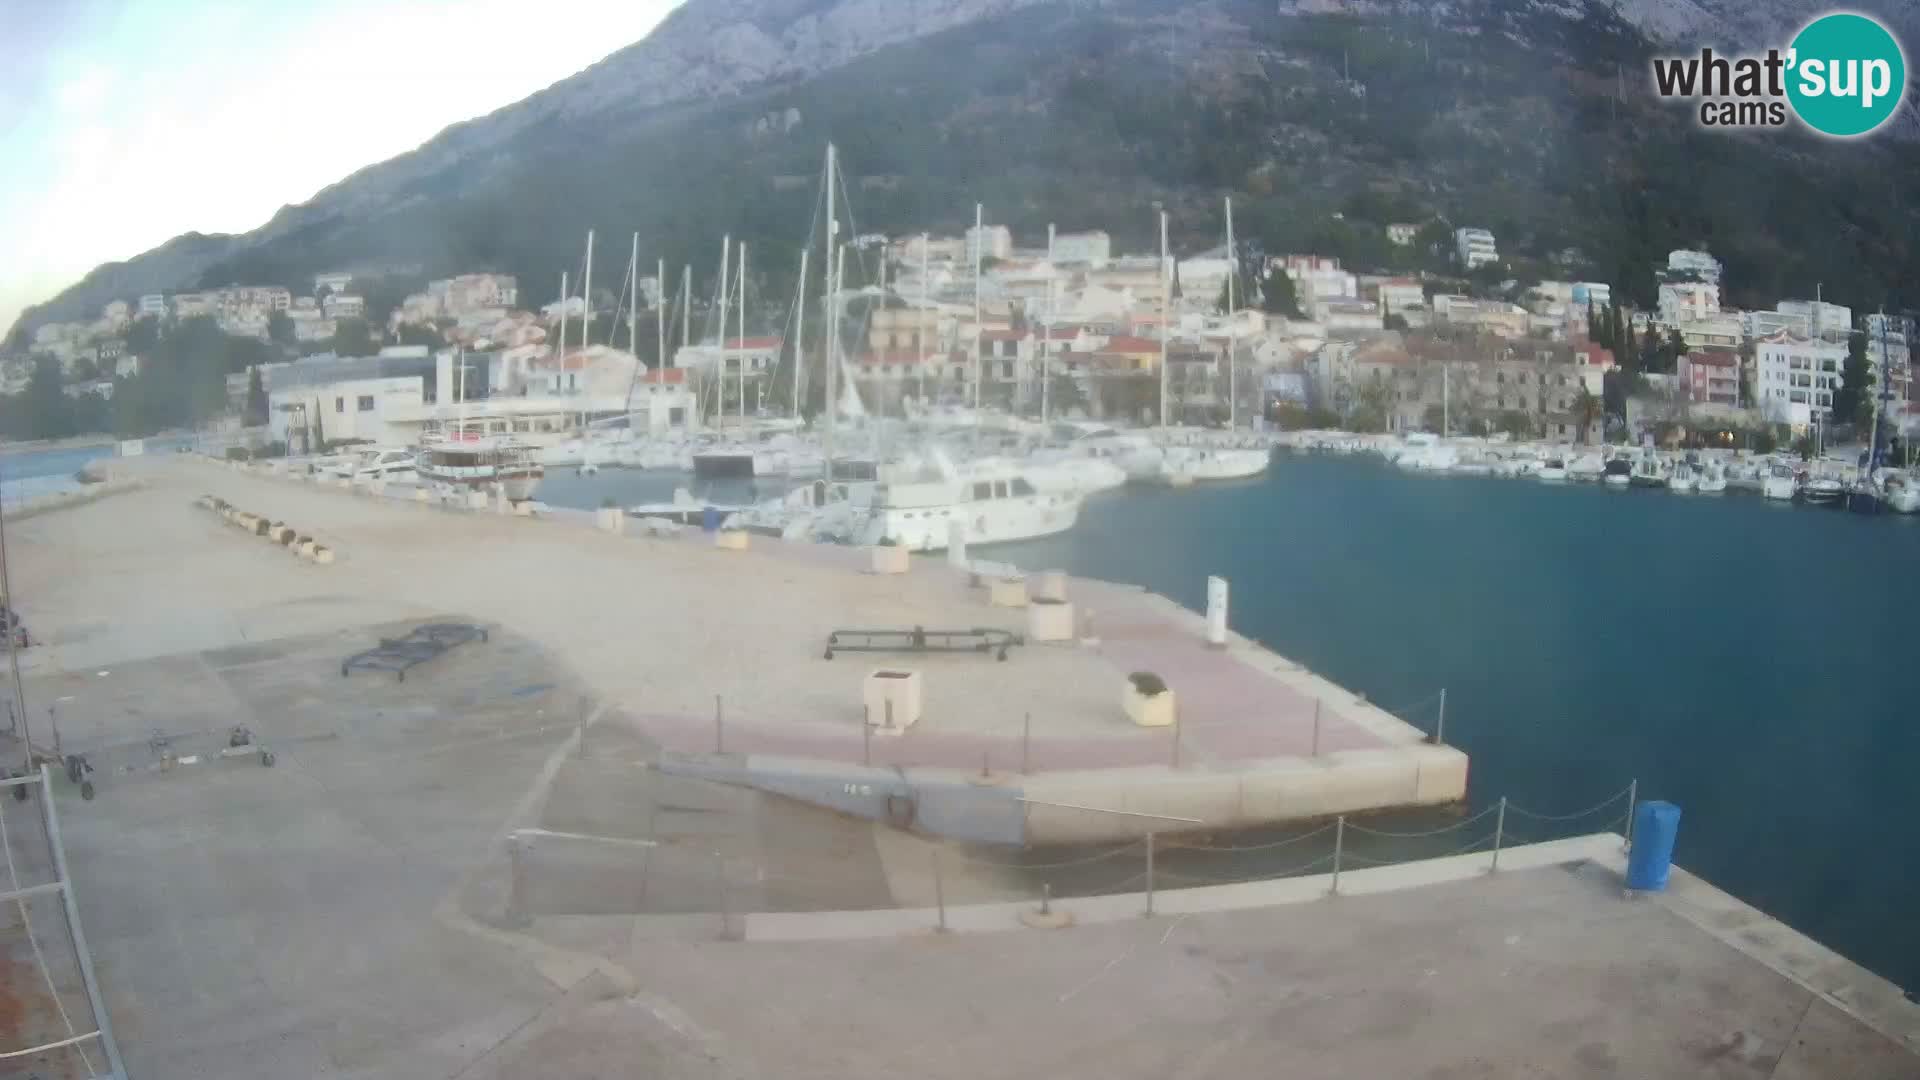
<point>256,411</point>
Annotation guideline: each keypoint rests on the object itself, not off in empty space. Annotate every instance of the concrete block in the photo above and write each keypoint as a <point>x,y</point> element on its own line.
<point>1363,779</point>
<point>525,508</point>
<point>376,487</point>
<point>1007,592</point>
<point>730,540</point>
<point>889,559</point>
<point>892,698</point>
<point>323,555</point>
<point>1147,710</point>
<point>610,519</point>
<point>421,495</point>
<point>1440,774</point>
<point>1049,585</point>
<point>476,500</point>
<point>1050,620</point>
<point>303,547</point>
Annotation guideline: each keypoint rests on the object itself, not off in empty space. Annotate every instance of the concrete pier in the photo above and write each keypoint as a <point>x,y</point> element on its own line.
<point>496,870</point>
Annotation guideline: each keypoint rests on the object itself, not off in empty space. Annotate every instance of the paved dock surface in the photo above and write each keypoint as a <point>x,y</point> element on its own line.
<point>353,911</point>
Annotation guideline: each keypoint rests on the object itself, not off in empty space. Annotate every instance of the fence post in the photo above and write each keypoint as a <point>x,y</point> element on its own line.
<point>1440,725</point>
<point>1149,873</point>
<point>720,884</point>
<point>1633,796</point>
<point>939,891</point>
<point>719,727</point>
<point>1316,727</point>
<point>1339,844</point>
<point>1499,833</point>
<point>1046,898</point>
<point>516,915</point>
<point>1026,743</point>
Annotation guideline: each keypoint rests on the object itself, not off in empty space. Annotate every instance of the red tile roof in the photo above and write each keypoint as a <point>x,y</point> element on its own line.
<point>1122,343</point>
<point>753,343</point>
<point>668,376</point>
<point>1713,359</point>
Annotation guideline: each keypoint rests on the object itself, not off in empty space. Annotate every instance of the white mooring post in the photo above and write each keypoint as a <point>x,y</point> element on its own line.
<point>957,544</point>
<point>1217,611</point>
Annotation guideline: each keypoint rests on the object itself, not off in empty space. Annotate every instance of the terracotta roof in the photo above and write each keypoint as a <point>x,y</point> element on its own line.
<point>1713,359</point>
<point>753,343</point>
<point>669,376</point>
<point>1122,343</point>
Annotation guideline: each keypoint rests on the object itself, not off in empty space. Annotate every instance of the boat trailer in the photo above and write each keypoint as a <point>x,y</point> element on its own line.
<point>423,644</point>
<point>979,639</point>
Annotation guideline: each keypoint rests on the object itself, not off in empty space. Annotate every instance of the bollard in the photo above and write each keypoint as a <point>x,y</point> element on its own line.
<point>720,884</point>
<point>957,544</point>
<point>1026,741</point>
<point>1440,725</point>
<point>1633,794</point>
<point>1499,832</point>
<point>1046,898</point>
<point>1339,844</point>
<point>1149,874</point>
<point>516,915</point>
<point>939,892</point>
<point>1217,612</point>
<point>866,735</point>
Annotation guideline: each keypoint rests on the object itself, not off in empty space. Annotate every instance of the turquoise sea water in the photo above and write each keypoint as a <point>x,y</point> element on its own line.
<point>1751,661</point>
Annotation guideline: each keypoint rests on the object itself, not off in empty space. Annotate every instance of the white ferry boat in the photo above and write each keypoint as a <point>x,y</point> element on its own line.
<point>461,462</point>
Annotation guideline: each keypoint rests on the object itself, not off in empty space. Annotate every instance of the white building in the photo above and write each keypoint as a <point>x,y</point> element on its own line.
<point>1091,248</point>
<point>997,243</point>
<point>1202,276</point>
<point>377,408</point>
<point>336,281</point>
<point>1792,370</point>
<point>343,306</point>
<point>1821,319</point>
<point>1698,264</point>
<point>1475,247</point>
<point>1401,234</point>
<point>1599,294</point>
<point>1688,301</point>
<point>1400,295</point>
<point>115,312</point>
<point>153,304</point>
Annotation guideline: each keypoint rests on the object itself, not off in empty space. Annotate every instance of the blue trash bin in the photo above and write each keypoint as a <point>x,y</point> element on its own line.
<point>710,519</point>
<point>1656,825</point>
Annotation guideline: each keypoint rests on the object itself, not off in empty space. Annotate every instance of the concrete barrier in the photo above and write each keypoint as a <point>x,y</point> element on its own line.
<point>1007,592</point>
<point>730,540</point>
<point>1049,620</point>
<point>323,555</point>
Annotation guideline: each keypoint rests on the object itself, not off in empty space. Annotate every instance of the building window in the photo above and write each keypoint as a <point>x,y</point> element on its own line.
<point>365,403</point>
<point>339,404</point>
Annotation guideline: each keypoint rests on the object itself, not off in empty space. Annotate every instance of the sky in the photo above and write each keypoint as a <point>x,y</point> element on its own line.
<point>124,123</point>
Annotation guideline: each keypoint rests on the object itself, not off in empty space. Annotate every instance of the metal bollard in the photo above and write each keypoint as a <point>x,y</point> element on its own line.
<point>1499,831</point>
<point>1046,898</point>
<point>939,891</point>
<point>1339,845</point>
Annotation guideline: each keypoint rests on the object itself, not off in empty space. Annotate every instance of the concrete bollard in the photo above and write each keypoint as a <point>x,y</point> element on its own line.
<point>323,555</point>
<point>610,519</point>
<point>731,539</point>
<point>1008,592</point>
<point>420,495</point>
<point>1217,611</point>
<point>1050,585</point>
<point>957,544</point>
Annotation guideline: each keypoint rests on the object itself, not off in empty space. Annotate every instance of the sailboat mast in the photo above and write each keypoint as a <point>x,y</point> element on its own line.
<point>1166,310</point>
<point>686,304</point>
<point>586,297</point>
<point>800,331</point>
<point>720,365</point>
<point>1233,271</point>
<point>831,362</point>
<point>660,314</point>
<point>979,244</point>
<point>633,299</point>
<point>1046,333</point>
<point>741,318</point>
<point>920,330</point>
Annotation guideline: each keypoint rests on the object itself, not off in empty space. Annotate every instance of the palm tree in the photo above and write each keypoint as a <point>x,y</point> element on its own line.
<point>1585,407</point>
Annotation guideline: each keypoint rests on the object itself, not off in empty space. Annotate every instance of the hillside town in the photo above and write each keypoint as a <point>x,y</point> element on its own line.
<point>1045,326</point>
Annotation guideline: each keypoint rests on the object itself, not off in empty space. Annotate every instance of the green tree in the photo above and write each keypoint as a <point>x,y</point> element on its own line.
<point>1586,409</point>
<point>1277,296</point>
<point>143,336</point>
<point>1395,321</point>
<point>49,411</point>
<point>415,334</point>
<point>279,328</point>
<point>255,414</point>
<point>1854,398</point>
<point>1515,423</point>
<point>1065,395</point>
<point>352,338</point>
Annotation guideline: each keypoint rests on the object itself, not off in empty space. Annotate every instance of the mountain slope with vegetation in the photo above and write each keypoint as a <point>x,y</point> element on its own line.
<point>1531,119</point>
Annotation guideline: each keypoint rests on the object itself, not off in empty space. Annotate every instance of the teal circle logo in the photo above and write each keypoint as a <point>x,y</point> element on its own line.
<point>1846,75</point>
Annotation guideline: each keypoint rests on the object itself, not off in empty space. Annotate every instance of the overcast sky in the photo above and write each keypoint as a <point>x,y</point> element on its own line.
<point>124,123</point>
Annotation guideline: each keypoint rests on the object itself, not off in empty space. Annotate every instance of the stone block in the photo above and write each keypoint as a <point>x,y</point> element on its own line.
<point>610,519</point>
<point>1050,620</point>
<point>892,698</point>
<point>1007,592</point>
<point>730,540</point>
<point>1147,709</point>
<point>889,559</point>
<point>1050,585</point>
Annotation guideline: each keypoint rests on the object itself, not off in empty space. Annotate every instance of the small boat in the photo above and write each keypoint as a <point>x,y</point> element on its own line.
<point>1683,480</point>
<point>988,505</point>
<point>375,463</point>
<point>1822,491</point>
<point>1712,479</point>
<point>1587,468</point>
<point>1864,496</point>
<point>1903,493</point>
<point>684,509</point>
<point>1648,472</point>
<point>1780,483</point>
<point>1617,472</point>
<point>1553,470</point>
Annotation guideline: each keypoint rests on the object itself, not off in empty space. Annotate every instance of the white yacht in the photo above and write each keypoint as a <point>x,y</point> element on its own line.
<point>1553,470</point>
<point>460,462</point>
<point>1426,453</point>
<point>1712,479</point>
<point>1181,465</point>
<point>374,463</point>
<point>1779,482</point>
<point>991,504</point>
<point>1903,493</point>
<point>1587,468</point>
<point>1683,480</point>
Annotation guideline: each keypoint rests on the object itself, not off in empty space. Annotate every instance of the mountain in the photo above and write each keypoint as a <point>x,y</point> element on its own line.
<point>1531,117</point>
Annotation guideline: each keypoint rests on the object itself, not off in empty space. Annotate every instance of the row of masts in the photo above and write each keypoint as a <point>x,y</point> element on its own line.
<point>732,293</point>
